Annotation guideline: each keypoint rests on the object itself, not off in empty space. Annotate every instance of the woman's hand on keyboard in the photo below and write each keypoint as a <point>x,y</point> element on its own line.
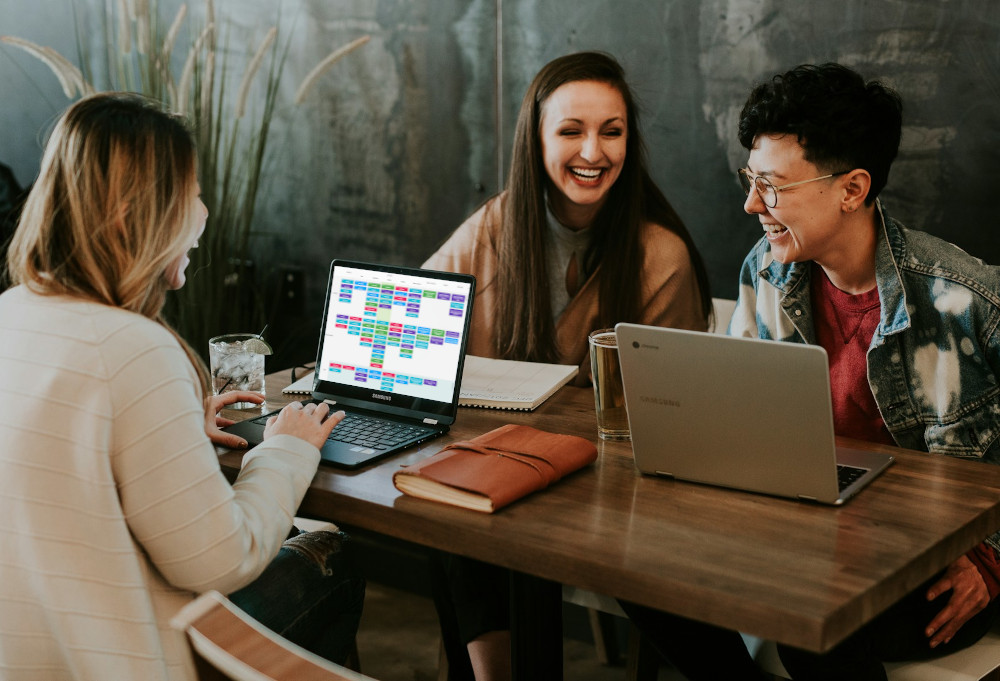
<point>308,422</point>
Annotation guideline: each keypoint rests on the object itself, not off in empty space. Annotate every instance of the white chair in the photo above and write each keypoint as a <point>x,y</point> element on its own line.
<point>226,643</point>
<point>641,661</point>
<point>722,308</point>
<point>311,525</point>
<point>980,662</point>
<point>601,613</point>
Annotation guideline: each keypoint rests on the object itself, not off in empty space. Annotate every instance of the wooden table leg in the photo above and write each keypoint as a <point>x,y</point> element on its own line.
<point>535,628</point>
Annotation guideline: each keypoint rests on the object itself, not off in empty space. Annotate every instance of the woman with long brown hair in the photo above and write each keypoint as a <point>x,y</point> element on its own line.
<point>116,511</point>
<point>582,238</point>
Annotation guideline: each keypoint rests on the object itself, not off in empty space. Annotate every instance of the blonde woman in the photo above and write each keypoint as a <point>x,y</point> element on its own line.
<point>115,510</point>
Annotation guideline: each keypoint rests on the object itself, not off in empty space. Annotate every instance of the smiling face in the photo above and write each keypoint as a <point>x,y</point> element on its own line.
<point>175,271</point>
<point>805,224</point>
<point>583,131</point>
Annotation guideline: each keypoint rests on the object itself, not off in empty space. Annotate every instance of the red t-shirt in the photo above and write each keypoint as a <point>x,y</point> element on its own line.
<point>844,325</point>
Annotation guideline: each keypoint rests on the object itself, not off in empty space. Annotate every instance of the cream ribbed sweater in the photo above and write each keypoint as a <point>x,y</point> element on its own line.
<point>113,509</point>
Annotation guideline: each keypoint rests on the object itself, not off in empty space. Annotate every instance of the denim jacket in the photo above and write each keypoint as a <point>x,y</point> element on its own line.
<point>934,359</point>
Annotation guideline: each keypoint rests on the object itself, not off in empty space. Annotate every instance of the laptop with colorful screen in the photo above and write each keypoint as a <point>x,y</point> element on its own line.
<point>390,354</point>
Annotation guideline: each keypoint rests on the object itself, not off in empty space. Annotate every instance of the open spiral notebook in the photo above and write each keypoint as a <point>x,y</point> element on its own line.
<point>493,383</point>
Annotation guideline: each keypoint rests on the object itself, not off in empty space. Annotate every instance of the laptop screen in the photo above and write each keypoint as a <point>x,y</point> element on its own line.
<point>395,336</point>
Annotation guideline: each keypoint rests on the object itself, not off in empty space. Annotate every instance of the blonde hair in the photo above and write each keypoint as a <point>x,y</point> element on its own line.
<point>111,208</point>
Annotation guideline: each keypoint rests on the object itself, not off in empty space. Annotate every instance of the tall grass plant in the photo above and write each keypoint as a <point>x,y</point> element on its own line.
<point>230,103</point>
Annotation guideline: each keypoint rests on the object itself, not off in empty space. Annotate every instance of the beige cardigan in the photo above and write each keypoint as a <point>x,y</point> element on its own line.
<point>114,509</point>
<point>670,295</point>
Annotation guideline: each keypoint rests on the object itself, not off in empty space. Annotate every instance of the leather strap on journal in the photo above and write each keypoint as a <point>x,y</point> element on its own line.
<point>496,468</point>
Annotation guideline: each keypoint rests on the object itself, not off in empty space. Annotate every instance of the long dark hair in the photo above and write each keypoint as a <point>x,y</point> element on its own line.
<point>522,287</point>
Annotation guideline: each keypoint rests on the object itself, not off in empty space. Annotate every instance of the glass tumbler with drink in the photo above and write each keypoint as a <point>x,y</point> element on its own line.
<point>237,363</point>
<point>609,394</point>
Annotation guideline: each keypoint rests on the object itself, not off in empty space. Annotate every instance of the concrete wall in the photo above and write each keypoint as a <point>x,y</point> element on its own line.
<point>406,136</point>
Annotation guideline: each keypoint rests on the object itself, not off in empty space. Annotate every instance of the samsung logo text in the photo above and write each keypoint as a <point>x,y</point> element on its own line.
<point>660,400</point>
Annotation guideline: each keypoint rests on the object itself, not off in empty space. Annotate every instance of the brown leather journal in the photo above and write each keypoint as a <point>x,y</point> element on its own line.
<point>495,469</point>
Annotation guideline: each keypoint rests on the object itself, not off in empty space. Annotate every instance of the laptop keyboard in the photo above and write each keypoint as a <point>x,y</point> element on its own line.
<point>373,433</point>
<point>847,475</point>
<point>368,432</point>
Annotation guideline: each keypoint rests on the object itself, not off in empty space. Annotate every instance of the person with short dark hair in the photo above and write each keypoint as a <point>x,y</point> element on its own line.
<point>910,324</point>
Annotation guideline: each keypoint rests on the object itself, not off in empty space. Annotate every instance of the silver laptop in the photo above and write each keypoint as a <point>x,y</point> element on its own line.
<point>743,413</point>
<point>391,351</point>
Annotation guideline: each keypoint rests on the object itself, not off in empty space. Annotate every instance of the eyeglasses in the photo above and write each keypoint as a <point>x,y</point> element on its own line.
<point>768,192</point>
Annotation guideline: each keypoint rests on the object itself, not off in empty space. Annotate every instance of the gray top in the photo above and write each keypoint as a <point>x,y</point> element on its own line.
<point>562,244</point>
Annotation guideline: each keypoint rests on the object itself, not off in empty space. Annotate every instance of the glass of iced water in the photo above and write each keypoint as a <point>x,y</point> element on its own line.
<point>237,363</point>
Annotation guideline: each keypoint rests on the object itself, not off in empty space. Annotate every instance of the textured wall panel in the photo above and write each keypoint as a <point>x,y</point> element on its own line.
<point>398,142</point>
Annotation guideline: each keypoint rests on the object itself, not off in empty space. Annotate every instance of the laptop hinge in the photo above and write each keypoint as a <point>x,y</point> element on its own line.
<point>430,421</point>
<point>330,402</point>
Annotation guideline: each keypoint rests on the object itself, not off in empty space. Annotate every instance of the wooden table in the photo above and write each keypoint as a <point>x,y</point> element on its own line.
<point>800,574</point>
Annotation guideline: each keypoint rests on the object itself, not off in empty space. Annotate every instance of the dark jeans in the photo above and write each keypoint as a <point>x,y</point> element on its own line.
<point>310,594</point>
<point>480,595</point>
<point>894,636</point>
<point>471,598</point>
<point>699,651</point>
<point>704,652</point>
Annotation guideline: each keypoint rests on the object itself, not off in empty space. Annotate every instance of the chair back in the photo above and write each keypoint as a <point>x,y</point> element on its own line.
<point>227,644</point>
<point>978,662</point>
<point>722,310</point>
